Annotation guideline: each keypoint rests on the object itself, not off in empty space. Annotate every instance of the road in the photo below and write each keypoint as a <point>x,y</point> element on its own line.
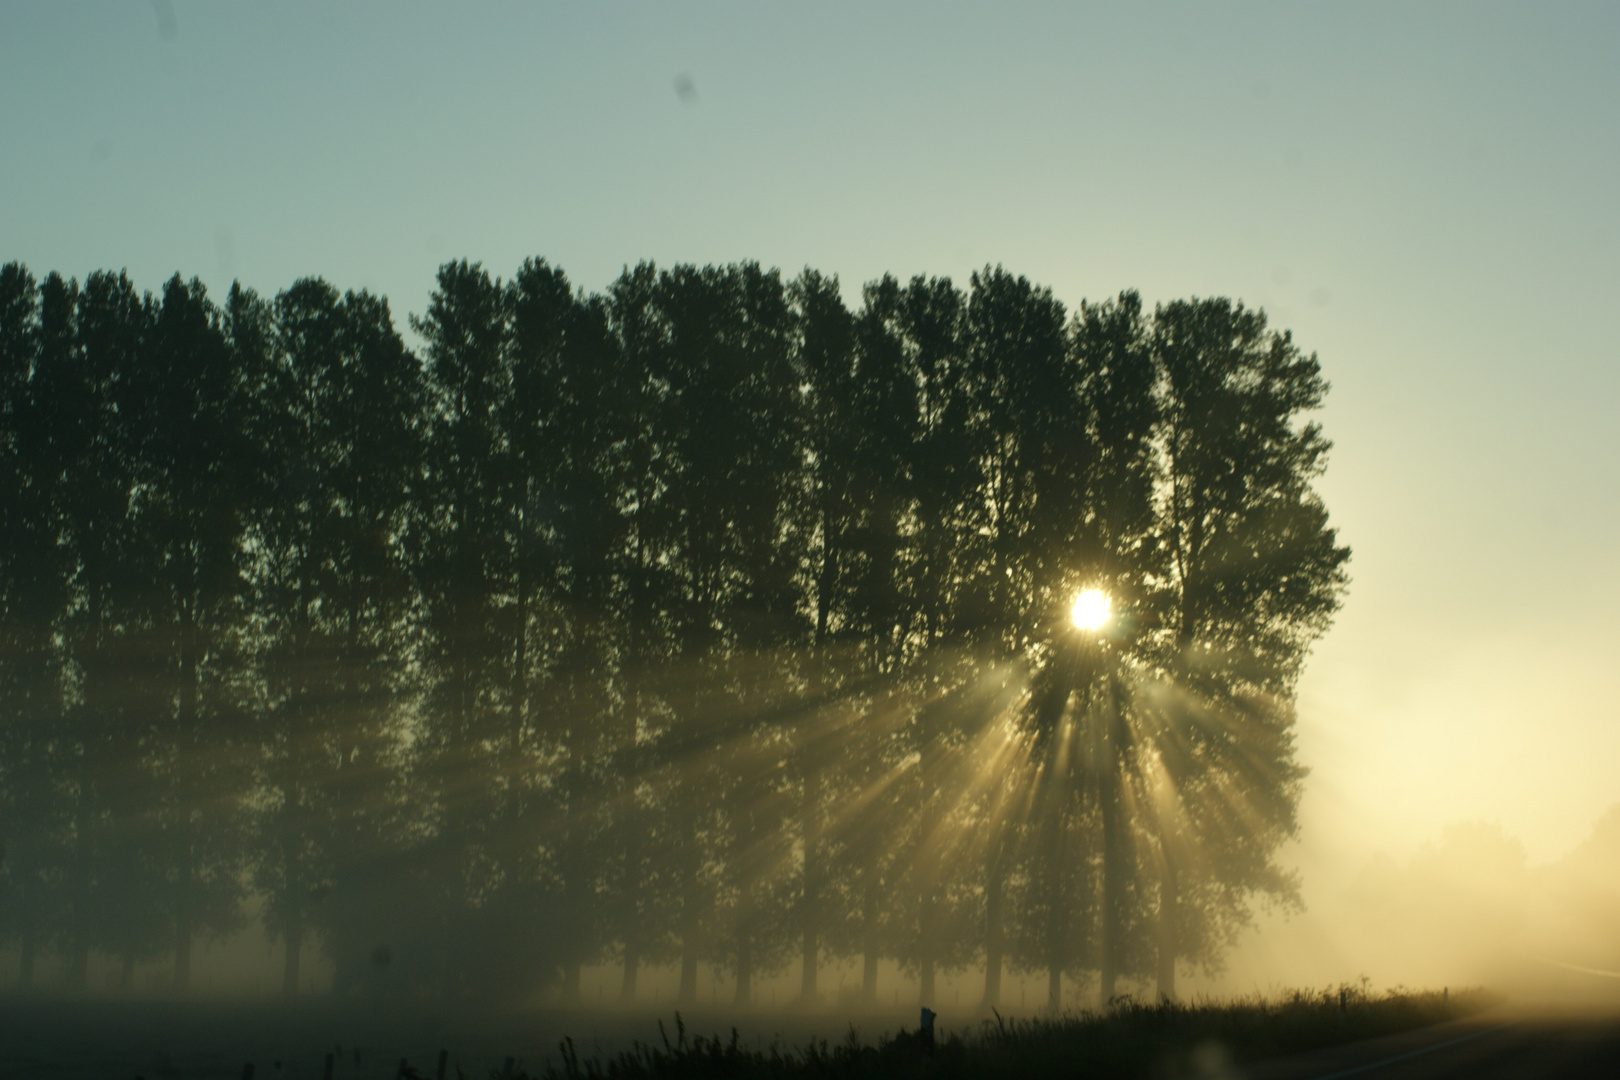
<point>1497,1047</point>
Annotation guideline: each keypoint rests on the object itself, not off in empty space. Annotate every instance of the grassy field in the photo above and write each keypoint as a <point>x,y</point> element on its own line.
<point>1127,1041</point>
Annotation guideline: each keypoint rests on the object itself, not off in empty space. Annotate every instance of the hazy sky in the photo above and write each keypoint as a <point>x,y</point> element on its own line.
<point>1425,194</point>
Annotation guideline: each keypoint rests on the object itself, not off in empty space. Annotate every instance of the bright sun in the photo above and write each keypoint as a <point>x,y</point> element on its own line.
<point>1090,609</point>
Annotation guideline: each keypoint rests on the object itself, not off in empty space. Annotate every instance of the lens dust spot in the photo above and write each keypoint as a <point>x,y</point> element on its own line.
<point>168,25</point>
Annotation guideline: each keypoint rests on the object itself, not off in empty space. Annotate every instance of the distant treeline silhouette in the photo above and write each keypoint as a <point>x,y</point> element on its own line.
<point>703,620</point>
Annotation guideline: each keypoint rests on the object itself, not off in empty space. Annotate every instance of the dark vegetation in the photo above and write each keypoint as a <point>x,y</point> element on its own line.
<point>1130,1040</point>
<point>295,1039</point>
<point>702,620</point>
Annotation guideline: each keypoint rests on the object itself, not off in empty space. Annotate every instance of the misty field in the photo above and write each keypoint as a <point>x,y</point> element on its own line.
<point>181,1041</point>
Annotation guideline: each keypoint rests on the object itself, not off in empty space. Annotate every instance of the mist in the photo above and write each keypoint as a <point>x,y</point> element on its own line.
<point>704,622</point>
<point>406,650</point>
<point>703,644</point>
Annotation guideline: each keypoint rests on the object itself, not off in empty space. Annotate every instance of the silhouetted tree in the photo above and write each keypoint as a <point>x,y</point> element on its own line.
<point>340,418</point>
<point>35,578</point>
<point>703,621</point>
<point>1255,575</point>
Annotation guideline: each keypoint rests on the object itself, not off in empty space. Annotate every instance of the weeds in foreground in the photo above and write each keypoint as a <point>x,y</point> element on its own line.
<point>1128,1040</point>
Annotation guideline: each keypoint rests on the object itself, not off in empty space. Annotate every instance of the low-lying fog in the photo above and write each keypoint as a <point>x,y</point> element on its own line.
<point>1469,907</point>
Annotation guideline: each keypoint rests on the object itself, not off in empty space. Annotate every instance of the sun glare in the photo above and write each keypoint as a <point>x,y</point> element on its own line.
<point>1091,609</point>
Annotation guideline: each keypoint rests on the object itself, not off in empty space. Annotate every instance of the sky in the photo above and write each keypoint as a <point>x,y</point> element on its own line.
<point>1425,195</point>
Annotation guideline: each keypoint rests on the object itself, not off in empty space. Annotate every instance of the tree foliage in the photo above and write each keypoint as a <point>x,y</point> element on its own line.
<point>704,620</point>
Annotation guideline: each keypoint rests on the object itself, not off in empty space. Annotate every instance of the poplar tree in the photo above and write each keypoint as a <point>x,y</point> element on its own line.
<point>34,595</point>
<point>1255,575</point>
<point>704,621</point>
<point>194,469</point>
<point>340,415</point>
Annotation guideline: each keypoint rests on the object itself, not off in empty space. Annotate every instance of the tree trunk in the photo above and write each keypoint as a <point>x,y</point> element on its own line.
<point>689,924</point>
<point>632,964</point>
<point>869,937</point>
<point>809,958</point>
<point>810,901</point>
<point>576,901</point>
<point>631,831</point>
<point>79,964</point>
<point>182,938</point>
<point>25,973</point>
<point>926,920</point>
<point>1113,874</point>
<point>1056,939</point>
<point>1057,899</point>
<point>78,972</point>
<point>745,969</point>
<point>186,713</point>
<point>293,935</point>
<point>520,616</point>
<point>1169,914</point>
<point>689,963</point>
<point>993,900</point>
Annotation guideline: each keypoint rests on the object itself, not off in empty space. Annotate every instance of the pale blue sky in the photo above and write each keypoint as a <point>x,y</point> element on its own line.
<point>1425,194</point>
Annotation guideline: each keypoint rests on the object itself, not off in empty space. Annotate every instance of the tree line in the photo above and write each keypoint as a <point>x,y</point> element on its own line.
<point>705,619</point>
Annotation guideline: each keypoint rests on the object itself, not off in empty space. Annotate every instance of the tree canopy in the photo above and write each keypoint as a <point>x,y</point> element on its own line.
<point>702,620</point>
